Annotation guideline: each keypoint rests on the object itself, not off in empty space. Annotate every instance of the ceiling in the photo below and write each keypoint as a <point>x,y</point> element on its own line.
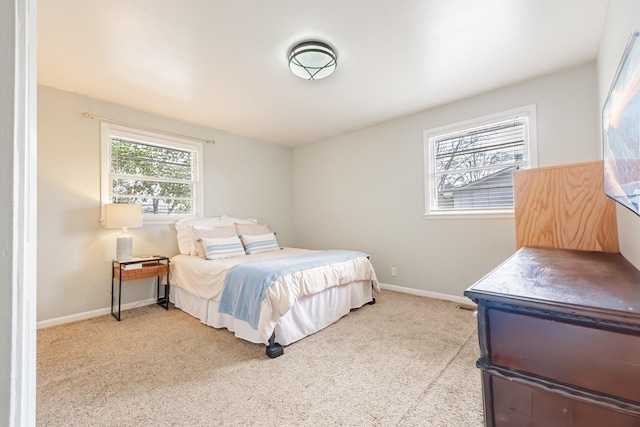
<point>223,64</point>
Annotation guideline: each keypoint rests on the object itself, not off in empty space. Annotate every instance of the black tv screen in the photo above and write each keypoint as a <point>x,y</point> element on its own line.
<point>621,130</point>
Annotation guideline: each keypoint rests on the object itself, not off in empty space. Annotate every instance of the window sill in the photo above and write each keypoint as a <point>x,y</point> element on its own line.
<point>153,221</point>
<point>169,219</point>
<point>470,215</point>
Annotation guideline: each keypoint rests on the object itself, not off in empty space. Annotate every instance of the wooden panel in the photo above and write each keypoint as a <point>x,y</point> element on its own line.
<point>564,207</point>
<point>598,284</point>
<point>147,270</point>
<point>594,359</point>
<point>526,406</point>
<point>512,403</point>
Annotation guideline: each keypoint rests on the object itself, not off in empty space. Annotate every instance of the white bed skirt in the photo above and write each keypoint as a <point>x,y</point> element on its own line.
<point>308,315</point>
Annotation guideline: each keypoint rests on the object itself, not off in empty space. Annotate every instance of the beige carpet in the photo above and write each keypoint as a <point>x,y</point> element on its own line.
<point>405,361</point>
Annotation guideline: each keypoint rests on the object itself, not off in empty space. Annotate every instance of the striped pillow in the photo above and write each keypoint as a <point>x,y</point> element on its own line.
<point>257,243</point>
<point>198,233</point>
<point>222,247</point>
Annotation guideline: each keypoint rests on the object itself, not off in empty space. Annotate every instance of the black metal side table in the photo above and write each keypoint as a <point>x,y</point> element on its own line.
<point>140,268</point>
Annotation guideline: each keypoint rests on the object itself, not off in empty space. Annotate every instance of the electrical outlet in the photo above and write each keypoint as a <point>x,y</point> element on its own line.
<point>394,272</point>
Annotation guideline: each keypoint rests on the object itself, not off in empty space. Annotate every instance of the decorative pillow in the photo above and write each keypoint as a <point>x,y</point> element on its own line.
<point>198,233</point>
<point>230,221</point>
<point>255,244</point>
<point>247,229</point>
<point>222,247</point>
<point>183,233</point>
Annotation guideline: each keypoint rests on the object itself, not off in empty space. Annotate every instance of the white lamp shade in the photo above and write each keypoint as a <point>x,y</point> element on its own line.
<point>120,215</point>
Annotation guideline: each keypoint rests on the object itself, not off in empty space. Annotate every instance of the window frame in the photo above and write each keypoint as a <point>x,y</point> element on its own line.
<point>109,130</point>
<point>530,148</point>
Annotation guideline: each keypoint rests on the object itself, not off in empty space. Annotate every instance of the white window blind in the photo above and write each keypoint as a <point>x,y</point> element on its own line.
<point>470,168</point>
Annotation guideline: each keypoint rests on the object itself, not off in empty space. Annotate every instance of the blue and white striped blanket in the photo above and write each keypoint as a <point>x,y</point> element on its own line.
<point>246,285</point>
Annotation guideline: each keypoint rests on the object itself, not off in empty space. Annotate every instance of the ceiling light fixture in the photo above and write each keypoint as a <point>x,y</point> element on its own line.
<point>312,60</point>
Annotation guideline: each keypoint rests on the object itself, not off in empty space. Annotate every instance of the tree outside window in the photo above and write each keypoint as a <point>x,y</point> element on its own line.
<point>160,174</point>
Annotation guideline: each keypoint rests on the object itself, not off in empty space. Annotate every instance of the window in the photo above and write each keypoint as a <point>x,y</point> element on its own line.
<point>161,173</point>
<point>469,166</point>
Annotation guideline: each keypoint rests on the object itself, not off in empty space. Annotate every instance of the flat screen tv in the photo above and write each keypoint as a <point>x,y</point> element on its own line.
<point>621,130</point>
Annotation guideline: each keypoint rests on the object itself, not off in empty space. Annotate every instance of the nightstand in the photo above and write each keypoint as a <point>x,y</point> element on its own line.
<point>140,268</point>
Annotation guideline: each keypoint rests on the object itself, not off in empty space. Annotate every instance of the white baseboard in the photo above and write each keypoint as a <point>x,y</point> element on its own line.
<point>107,310</point>
<point>90,314</point>
<point>429,294</point>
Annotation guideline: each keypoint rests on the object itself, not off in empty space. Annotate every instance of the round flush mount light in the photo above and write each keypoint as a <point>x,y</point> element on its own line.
<point>312,60</point>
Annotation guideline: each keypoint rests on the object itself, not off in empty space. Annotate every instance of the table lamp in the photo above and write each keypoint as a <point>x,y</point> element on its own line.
<point>121,215</point>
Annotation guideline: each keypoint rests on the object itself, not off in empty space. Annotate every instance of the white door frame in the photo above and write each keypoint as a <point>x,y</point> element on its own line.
<point>23,292</point>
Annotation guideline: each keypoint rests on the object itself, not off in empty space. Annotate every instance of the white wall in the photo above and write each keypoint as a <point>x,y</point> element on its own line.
<point>243,178</point>
<point>623,17</point>
<point>365,190</point>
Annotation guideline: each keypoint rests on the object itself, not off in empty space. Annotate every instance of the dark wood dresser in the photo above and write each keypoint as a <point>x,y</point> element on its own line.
<point>559,334</point>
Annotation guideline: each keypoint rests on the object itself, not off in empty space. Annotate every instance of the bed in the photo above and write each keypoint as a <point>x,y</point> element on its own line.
<point>231,273</point>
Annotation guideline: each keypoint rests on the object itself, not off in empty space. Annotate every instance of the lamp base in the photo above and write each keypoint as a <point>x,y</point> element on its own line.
<point>124,245</point>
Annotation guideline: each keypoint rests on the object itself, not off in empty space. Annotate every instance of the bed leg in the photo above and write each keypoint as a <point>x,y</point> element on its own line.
<point>273,348</point>
<point>373,300</point>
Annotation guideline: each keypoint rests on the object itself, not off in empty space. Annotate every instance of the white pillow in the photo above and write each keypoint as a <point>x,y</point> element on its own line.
<point>228,221</point>
<point>183,234</point>
<point>257,243</point>
<point>246,229</point>
<point>222,247</point>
